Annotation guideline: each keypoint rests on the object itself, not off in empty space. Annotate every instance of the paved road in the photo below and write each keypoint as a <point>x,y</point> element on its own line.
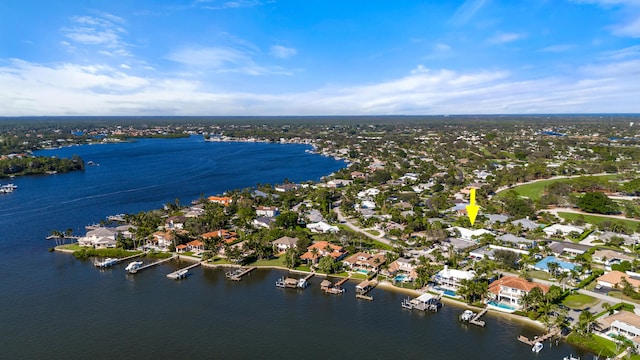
<point>355,228</point>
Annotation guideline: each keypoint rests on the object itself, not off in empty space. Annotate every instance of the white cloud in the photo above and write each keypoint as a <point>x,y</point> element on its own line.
<point>503,38</point>
<point>69,89</point>
<point>282,52</point>
<point>628,29</point>
<point>223,60</point>
<point>103,31</point>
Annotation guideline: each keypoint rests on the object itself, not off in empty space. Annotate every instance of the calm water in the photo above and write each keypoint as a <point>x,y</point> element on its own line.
<point>54,306</point>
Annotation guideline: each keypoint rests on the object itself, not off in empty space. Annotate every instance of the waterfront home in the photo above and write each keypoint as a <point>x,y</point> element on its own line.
<point>613,279</point>
<point>609,257</point>
<point>195,246</point>
<point>161,240</point>
<point>267,211</point>
<point>569,249</point>
<point>321,249</point>
<point>364,262</point>
<point>282,244</point>
<point>623,323</point>
<point>402,266</point>
<point>222,200</point>
<point>194,211</point>
<point>181,248</point>
<point>322,227</point>
<point>451,279</point>
<point>100,238</point>
<point>511,289</point>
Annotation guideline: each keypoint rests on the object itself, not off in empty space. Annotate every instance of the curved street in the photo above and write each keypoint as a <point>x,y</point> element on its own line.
<point>347,223</point>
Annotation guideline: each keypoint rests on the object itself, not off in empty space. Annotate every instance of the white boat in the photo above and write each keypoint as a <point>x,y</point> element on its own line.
<point>570,357</point>
<point>467,315</point>
<point>8,188</point>
<point>133,266</point>
<point>108,262</point>
<point>302,283</point>
<point>537,347</point>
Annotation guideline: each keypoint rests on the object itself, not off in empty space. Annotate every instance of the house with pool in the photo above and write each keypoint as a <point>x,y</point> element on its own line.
<point>448,281</point>
<point>506,293</point>
<point>402,270</point>
<point>364,263</point>
<point>564,266</point>
<point>623,323</point>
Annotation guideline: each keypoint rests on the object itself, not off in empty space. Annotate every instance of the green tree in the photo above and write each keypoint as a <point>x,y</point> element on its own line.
<point>597,202</point>
<point>326,264</point>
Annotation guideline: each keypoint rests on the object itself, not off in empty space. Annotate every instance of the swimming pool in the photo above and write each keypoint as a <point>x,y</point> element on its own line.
<point>502,306</point>
<point>401,277</point>
<point>362,271</point>
<point>447,292</point>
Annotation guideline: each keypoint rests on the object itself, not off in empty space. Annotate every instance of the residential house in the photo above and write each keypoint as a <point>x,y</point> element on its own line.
<point>458,245</point>
<point>267,211</point>
<point>161,240</point>
<point>181,248</point>
<point>517,241</point>
<point>321,249</point>
<point>496,218</point>
<point>282,244</point>
<point>100,238</point>
<point>358,175</point>
<point>564,230</point>
<point>402,266</point>
<point>263,221</point>
<point>469,234</point>
<point>623,323</point>
<point>338,183</point>
<point>226,235</point>
<point>175,222</point>
<point>322,227</point>
<point>286,187</point>
<point>511,289</point>
<point>613,279</point>
<point>526,224</point>
<point>195,246</point>
<point>451,279</point>
<point>222,200</point>
<point>564,248</point>
<point>364,262</point>
<point>610,257</point>
<point>482,253</point>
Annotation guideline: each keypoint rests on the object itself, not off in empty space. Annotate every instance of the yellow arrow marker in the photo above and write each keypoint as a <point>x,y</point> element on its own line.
<point>472,208</point>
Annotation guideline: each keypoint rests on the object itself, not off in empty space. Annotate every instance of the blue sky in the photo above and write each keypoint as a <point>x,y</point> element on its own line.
<point>318,57</point>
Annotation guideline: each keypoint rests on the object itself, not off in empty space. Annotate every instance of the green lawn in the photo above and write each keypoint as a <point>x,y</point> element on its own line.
<point>373,232</point>
<point>535,190</point>
<point>538,274</point>
<point>579,301</point>
<point>277,261</point>
<point>596,220</point>
<point>596,344</point>
<point>72,247</point>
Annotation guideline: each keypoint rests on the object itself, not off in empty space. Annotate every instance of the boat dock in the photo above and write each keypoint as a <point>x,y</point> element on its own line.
<point>109,262</point>
<point>135,271</point>
<point>237,274</point>
<point>540,339</point>
<point>423,302</point>
<point>182,273</point>
<point>330,288</point>
<point>476,319</point>
<point>363,288</point>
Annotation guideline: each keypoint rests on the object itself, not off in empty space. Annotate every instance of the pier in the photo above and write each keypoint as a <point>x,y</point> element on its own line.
<point>182,273</point>
<point>109,262</point>
<point>363,288</point>
<point>539,339</point>
<point>135,271</point>
<point>476,319</point>
<point>330,288</point>
<point>423,302</point>
<point>239,273</point>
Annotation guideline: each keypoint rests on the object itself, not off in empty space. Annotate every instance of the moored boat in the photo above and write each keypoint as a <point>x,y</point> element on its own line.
<point>537,347</point>
<point>133,266</point>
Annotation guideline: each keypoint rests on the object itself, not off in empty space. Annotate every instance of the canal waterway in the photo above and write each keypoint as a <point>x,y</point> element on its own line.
<point>54,306</point>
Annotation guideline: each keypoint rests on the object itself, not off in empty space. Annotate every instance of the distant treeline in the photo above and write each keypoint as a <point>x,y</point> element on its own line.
<point>18,166</point>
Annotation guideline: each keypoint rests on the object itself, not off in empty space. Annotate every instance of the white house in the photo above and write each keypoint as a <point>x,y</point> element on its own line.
<point>562,229</point>
<point>469,234</point>
<point>322,227</point>
<point>284,243</point>
<point>100,238</point>
<point>452,278</point>
<point>267,211</point>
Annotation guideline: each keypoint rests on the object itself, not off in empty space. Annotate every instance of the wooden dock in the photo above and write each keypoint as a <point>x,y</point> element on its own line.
<point>476,319</point>
<point>363,288</point>
<point>238,276</point>
<point>542,338</point>
<point>182,273</point>
<point>135,271</point>
<point>114,261</point>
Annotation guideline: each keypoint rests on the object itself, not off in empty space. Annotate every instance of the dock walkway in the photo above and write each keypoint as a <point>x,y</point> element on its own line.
<point>238,276</point>
<point>135,271</point>
<point>180,273</point>
<point>542,338</point>
<point>476,319</point>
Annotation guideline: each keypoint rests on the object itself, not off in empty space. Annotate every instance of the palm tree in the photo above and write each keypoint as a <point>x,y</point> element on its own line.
<point>586,322</point>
